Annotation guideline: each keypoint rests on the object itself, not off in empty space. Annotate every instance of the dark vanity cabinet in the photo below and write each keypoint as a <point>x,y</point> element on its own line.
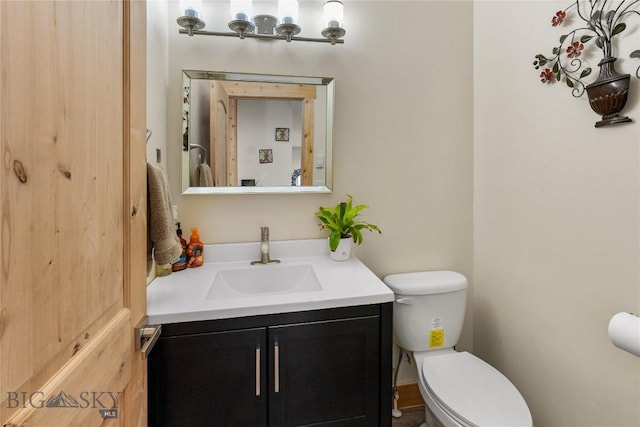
<point>322,368</point>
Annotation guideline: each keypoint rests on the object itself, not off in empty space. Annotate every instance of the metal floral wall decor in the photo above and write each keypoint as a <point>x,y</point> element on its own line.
<point>595,23</point>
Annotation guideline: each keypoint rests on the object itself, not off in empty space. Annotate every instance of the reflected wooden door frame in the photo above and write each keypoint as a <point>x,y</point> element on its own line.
<point>261,90</point>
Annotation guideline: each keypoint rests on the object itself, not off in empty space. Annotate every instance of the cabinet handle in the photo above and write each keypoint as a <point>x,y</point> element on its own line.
<point>276,368</point>
<point>258,371</point>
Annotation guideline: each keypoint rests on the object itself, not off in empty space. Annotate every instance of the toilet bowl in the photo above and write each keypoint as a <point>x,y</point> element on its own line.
<point>458,388</point>
<point>465,391</point>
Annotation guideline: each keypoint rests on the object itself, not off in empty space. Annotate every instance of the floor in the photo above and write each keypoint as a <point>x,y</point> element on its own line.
<point>411,417</point>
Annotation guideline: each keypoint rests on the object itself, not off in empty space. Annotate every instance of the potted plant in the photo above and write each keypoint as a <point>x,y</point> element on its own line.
<point>344,229</point>
<point>597,23</point>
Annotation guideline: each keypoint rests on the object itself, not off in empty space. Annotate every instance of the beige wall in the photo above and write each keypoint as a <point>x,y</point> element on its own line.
<point>556,202</point>
<point>157,70</point>
<point>403,131</point>
<point>556,226</point>
<point>556,211</point>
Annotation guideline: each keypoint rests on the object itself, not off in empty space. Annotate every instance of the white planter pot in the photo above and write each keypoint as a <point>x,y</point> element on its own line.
<point>343,251</point>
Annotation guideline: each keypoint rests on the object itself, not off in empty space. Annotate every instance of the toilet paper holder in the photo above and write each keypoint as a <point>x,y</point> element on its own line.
<point>624,332</point>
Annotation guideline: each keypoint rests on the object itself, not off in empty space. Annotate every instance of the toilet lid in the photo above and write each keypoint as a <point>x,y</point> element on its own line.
<point>425,282</point>
<point>474,391</point>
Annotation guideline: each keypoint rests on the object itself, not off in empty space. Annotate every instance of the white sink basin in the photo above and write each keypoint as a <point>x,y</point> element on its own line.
<point>264,280</point>
<point>227,286</point>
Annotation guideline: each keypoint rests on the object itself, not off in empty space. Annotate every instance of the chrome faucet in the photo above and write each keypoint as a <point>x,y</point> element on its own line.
<point>264,248</point>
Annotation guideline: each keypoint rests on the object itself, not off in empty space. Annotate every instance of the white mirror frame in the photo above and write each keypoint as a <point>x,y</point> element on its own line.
<point>327,82</point>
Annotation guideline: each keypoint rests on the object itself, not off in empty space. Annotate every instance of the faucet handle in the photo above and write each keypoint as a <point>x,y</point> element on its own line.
<point>264,248</point>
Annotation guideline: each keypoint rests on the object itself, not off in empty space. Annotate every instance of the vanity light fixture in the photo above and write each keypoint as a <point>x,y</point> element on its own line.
<point>334,16</point>
<point>192,19</point>
<point>265,27</point>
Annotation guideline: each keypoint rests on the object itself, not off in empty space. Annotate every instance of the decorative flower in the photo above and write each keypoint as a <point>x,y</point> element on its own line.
<point>574,50</point>
<point>557,20</point>
<point>598,22</point>
<point>546,76</point>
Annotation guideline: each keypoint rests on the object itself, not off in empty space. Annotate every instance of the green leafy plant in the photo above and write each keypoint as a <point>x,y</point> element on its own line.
<point>341,222</point>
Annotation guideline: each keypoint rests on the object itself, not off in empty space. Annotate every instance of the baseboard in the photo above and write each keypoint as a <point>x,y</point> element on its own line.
<point>409,396</point>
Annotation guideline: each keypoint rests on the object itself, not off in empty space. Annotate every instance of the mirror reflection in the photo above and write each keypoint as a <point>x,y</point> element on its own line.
<point>256,133</point>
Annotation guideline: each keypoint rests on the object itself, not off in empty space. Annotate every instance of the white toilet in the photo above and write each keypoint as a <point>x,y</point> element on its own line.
<point>458,388</point>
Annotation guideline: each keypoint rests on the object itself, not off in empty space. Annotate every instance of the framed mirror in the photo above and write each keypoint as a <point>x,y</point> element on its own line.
<point>256,133</point>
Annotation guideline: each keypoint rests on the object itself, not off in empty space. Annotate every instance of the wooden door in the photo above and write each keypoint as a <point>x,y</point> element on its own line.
<point>73,210</point>
<point>219,133</point>
<point>283,91</point>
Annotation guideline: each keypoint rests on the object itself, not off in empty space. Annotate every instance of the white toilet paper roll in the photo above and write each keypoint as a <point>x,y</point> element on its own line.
<point>624,332</point>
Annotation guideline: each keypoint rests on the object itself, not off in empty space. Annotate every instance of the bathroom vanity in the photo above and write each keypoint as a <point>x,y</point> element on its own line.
<point>303,342</point>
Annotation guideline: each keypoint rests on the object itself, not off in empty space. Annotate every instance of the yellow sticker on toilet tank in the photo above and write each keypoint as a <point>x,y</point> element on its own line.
<point>436,338</point>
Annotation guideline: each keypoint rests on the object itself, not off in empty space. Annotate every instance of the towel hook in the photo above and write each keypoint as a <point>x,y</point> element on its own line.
<point>203,159</point>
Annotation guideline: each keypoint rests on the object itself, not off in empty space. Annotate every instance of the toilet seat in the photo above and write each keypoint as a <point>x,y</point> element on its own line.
<point>473,392</point>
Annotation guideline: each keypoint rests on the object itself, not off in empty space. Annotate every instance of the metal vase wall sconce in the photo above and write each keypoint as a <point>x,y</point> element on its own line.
<point>597,23</point>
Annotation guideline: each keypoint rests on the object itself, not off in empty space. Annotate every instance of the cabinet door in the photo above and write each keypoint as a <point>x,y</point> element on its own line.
<point>212,379</point>
<point>325,373</point>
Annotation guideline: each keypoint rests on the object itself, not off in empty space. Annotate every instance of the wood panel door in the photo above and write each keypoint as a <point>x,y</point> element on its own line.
<point>234,91</point>
<point>73,210</point>
<point>219,134</point>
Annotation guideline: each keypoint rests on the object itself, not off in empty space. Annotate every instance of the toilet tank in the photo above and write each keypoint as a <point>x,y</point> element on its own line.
<point>429,309</point>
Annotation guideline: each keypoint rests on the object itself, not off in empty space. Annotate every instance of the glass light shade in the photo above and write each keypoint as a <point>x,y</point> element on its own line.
<point>191,8</point>
<point>288,11</point>
<point>334,14</point>
<point>241,10</point>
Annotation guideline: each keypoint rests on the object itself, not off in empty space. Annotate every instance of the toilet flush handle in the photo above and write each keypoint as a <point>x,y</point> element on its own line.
<point>406,301</point>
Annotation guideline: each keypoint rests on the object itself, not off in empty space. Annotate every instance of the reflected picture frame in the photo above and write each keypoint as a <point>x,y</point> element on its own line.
<point>265,155</point>
<point>282,134</point>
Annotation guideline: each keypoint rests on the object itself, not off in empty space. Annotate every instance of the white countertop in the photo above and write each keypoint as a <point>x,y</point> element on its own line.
<point>182,296</point>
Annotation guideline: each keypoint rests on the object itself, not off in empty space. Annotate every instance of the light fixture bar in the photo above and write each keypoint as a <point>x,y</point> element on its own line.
<point>260,36</point>
<point>265,27</point>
